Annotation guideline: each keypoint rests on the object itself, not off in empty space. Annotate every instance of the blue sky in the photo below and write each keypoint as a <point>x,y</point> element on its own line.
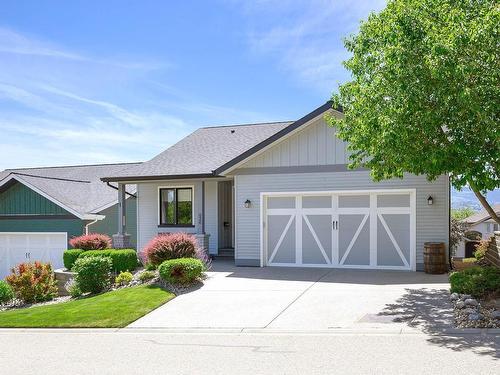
<point>110,81</point>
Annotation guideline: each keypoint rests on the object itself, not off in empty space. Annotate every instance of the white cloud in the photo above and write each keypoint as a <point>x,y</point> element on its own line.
<point>305,37</point>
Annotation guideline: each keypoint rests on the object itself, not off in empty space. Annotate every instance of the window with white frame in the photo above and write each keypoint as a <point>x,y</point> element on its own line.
<point>176,206</point>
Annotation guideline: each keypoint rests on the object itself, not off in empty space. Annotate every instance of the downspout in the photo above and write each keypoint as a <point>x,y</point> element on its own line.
<point>88,225</point>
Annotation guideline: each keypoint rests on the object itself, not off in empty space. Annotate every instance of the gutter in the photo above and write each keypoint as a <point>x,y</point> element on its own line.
<point>114,187</point>
<point>88,225</point>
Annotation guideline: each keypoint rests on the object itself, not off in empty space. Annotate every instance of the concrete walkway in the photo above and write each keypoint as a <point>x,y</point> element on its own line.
<point>306,299</point>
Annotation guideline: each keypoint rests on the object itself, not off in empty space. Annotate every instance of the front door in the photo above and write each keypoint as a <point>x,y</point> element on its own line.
<point>225,208</point>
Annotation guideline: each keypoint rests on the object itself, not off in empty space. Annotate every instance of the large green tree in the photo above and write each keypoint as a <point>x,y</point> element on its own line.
<point>424,97</point>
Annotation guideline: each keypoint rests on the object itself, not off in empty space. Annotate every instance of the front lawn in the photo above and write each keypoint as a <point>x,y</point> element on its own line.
<point>108,310</point>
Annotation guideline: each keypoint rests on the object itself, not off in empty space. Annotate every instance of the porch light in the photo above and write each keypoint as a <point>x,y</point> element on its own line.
<point>247,203</point>
<point>430,200</point>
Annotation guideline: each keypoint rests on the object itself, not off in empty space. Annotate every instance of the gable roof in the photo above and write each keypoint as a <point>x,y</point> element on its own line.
<point>481,215</point>
<point>78,189</point>
<point>209,151</point>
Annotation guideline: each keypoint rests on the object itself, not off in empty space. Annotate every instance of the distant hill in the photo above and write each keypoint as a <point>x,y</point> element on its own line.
<point>466,198</point>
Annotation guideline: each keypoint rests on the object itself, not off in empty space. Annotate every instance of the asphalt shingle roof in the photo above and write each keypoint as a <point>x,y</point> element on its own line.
<point>78,187</point>
<point>204,150</point>
<point>482,215</point>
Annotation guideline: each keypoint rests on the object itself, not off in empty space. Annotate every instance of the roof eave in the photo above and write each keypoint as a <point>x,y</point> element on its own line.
<point>132,179</point>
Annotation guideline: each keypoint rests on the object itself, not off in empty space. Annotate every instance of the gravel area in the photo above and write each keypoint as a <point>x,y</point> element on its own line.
<point>18,304</point>
<point>472,313</point>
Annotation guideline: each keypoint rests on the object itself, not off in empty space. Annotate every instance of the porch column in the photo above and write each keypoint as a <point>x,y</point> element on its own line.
<point>201,236</point>
<point>121,239</point>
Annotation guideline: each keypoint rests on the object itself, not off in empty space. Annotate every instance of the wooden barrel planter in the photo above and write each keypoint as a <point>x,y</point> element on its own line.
<point>435,258</point>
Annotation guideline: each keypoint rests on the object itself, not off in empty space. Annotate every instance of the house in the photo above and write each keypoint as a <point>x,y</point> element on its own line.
<point>280,194</point>
<point>42,208</point>
<point>481,227</point>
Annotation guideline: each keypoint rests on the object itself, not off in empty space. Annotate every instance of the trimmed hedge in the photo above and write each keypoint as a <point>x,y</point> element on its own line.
<point>476,281</point>
<point>123,259</point>
<point>6,292</point>
<point>182,271</point>
<point>92,274</point>
<point>70,257</point>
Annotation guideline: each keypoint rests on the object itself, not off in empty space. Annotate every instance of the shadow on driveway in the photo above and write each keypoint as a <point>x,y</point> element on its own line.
<point>431,311</point>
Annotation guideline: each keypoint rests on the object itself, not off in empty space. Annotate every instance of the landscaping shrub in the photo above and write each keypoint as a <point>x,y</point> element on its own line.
<point>70,256</point>
<point>94,241</point>
<point>481,249</point>
<point>146,276</point>
<point>122,259</point>
<point>169,246</point>
<point>93,274</point>
<point>33,282</point>
<point>72,288</point>
<point>6,292</point>
<point>182,271</point>
<point>123,278</point>
<point>476,281</point>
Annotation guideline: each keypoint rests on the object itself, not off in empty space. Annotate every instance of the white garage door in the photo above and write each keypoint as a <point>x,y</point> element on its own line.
<point>367,229</point>
<point>16,248</point>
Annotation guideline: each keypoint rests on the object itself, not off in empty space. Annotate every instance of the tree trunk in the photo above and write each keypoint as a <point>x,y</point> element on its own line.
<point>485,204</point>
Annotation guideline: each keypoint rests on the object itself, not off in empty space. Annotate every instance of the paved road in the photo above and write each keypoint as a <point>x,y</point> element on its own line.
<point>163,352</point>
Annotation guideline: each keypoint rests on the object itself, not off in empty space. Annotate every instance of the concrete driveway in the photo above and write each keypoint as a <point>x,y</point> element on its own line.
<point>305,299</point>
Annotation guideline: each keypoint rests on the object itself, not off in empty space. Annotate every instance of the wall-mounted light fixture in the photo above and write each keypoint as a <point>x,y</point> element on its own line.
<point>247,203</point>
<point>430,200</point>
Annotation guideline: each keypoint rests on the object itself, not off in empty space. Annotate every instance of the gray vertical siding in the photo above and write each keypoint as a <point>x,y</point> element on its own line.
<point>431,221</point>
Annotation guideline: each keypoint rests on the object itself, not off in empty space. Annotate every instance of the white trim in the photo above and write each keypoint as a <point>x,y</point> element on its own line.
<point>282,237</point>
<point>194,221</point>
<point>354,239</point>
<point>315,236</point>
<point>393,240</point>
<point>373,210</point>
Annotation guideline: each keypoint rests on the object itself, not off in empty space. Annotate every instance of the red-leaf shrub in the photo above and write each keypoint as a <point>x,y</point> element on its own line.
<point>94,241</point>
<point>170,246</point>
<point>33,282</point>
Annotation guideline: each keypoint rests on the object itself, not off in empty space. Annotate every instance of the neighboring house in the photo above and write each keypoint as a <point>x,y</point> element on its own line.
<point>280,194</point>
<point>41,209</point>
<point>481,227</point>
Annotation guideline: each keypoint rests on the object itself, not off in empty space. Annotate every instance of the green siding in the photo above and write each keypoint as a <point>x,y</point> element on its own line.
<point>21,200</point>
<point>74,227</point>
<point>110,224</point>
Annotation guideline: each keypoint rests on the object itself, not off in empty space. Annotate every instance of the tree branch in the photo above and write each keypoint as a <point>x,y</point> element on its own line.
<point>485,203</point>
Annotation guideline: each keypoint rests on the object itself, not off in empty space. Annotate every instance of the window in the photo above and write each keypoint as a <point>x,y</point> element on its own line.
<point>176,206</point>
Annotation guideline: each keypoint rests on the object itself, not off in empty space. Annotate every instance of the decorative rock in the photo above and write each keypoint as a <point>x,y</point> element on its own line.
<point>469,310</point>
<point>463,297</point>
<point>460,304</point>
<point>495,314</point>
<point>454,296</point>
<point>476,316</point>
<point>471,302</point>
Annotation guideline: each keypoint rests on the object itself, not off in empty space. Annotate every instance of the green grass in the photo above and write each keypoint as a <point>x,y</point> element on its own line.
<point>108,310</point>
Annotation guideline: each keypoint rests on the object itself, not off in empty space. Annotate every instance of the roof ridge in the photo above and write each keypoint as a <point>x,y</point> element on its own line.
<point>250,124</point>
<point>72,166</point>
<point>51,178</point>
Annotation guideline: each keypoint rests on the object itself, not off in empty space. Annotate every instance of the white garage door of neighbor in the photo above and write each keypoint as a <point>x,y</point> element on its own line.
<point>352,229</point>
<point>17,248</point>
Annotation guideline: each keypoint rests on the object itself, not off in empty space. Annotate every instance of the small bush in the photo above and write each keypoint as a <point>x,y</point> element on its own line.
<point>145,276</point>
<point>183,271</point>
<point>476,281</point>
<point>33,282</point>
<point>93,274</point>
<point>469,260</point>
<point>73,288</point>
<point>481,249</point>
<point>124,278</point>
<point>122,259</point>
<point>150,267</point>
<point>6,292</point>
<point>92,241</point>
<point>70,256</point>
<point>169,246</point>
